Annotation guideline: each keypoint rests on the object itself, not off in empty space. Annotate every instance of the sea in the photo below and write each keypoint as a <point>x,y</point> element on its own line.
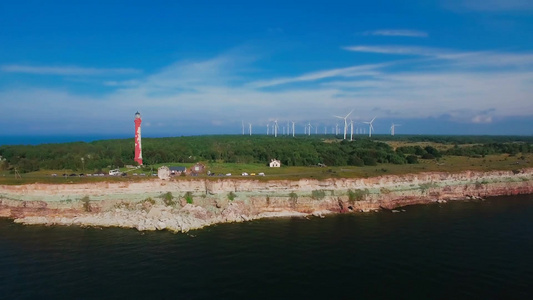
<point>456,250</point>
<point>54,139</point>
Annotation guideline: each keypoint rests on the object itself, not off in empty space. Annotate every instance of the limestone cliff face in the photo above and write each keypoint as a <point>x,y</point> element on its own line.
<point>143,205</point>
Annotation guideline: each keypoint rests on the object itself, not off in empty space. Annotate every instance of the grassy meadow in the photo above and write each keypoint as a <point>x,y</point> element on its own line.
<point>450,164</point>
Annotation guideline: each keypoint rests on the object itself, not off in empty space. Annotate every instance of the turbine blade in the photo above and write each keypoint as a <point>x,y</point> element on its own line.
<point>349,113</point>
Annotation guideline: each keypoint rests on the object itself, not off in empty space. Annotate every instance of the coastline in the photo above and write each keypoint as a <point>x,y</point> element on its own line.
<point>183,205</point>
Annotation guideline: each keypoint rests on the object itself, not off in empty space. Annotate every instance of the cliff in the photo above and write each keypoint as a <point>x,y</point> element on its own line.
<point>182,205</point>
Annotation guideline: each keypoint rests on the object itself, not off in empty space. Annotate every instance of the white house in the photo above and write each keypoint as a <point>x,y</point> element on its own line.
<point>274,163</point>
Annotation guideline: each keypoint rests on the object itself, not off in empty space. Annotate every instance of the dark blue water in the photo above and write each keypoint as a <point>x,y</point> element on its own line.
<point>54,139</point>
<point>463,250</point>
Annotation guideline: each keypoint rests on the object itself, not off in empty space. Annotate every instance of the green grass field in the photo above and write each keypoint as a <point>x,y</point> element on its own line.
<point>451,164</point>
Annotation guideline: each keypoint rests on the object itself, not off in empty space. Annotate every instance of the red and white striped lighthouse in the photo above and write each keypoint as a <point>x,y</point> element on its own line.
<point>138,150</point>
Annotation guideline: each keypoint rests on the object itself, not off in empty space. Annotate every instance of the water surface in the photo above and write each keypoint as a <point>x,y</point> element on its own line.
<point>461,250</point>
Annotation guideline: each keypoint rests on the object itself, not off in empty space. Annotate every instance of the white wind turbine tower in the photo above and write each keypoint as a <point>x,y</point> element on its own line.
<point>292,128</point>
<point>392,128</point>
<point>345,122</point>
<point>276,128</point>
<point>242,127</point>
<point>268,125</point>
<point>337,129</point>
<point>309,130</point>
<point>351,130</point>
<point>370,127</point>
<point>288,128</point>
<point>250,128</point>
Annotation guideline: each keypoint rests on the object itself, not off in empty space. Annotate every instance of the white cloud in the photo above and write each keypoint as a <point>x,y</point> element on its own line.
<point>215,93</point>
<point>403,50</point>
<point>66,70</point>
<point>481,119</point>
<point>472,58</point>
<point>361,70</point>
<point>397,32</point>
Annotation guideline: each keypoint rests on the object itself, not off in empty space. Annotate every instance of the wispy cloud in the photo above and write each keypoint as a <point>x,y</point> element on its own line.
<point>123,83</point>
<point>66,70</point>
<point>402,50</point>
<point>217,91</point>
<point>397,32</point>
<point>472,58</point>
<point>361,70</point>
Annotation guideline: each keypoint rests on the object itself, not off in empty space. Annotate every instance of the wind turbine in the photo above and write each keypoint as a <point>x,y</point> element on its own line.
<point>276,128</point>
<point>337,129</point>
<point>345,123</point>
<point>292,128</point>
<point>242,127</point>
<point>370,127</point>
<point>268,125</point>
<point>309,131</point>
<point>351,130</point>
<point>392,128</point>
<point>250,128</point>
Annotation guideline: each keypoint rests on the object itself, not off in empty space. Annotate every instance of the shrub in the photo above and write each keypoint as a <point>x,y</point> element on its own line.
<point>385,191</point>
<point>86,203</point>
<point>293,197</point>
<point>428,156</point>
<point>149,200</point>
<point>188,197</point>
<point>397,159</point>
<point>433,151</point>
<point>355,160</point>
<point>370,161</point>
<point>425,186</point>
<point>357,195</point>
<point>168,199</point>
<point>231,196</point>
<point>318,194</point>
<point>412,159</point>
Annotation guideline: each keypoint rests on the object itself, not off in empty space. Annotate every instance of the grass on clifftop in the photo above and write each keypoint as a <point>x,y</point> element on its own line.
<point>450,164</point>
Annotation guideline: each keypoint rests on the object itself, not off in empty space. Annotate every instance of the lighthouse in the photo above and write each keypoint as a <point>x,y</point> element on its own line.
<point>138,150</point>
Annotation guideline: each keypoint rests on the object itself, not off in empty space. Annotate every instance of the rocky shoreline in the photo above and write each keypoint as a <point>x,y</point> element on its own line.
<point>183,205</point>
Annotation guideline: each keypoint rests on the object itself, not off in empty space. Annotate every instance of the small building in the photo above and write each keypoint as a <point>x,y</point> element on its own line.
<point>274,163</point>
<point>176,171</point>
<point>163,173</point>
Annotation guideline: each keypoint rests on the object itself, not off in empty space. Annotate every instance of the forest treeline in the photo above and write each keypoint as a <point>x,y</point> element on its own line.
<point>301,151</point>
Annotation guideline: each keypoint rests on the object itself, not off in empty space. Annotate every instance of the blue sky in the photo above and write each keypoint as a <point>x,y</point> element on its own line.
<point>83,68</point>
